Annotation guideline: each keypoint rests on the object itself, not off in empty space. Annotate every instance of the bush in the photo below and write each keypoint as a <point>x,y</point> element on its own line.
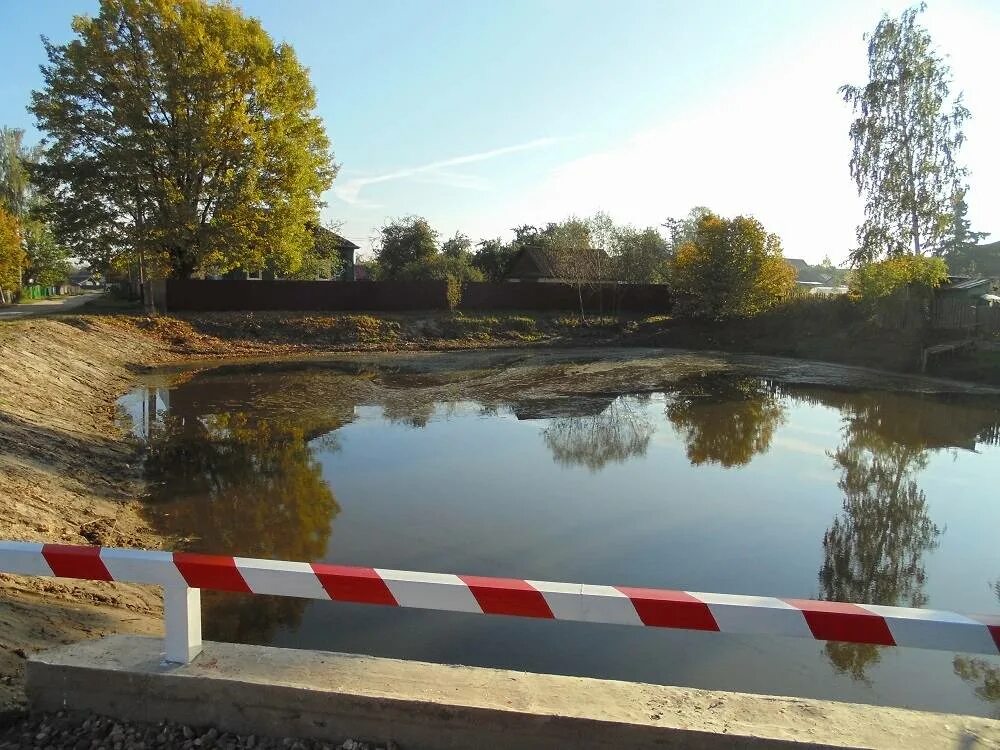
<point>453,292</point>
<point>732,268</point>
<point>874,281</point>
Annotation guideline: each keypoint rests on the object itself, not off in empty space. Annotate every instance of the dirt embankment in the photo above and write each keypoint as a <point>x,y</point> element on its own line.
<point>67,474</point>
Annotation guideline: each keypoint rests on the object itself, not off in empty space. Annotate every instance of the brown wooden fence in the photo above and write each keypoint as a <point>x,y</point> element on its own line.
<point>965,315</point>
<point>176,295</point>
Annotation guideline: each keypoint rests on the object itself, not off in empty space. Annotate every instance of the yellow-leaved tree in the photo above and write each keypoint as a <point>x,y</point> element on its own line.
<point>872,281</point>
<point>731,268</point>
<point>179,133</point>
<point>11,254</point>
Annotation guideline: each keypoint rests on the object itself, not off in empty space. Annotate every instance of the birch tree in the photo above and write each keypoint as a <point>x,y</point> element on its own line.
<point>906,137</point>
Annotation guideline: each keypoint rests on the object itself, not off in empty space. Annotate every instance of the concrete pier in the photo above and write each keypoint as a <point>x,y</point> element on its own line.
<point>317,694</point>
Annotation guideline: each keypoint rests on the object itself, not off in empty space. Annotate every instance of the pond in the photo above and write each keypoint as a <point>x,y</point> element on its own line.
<point>722,482</point>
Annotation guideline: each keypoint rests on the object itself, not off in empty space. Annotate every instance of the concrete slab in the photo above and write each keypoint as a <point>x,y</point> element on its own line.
<point>282,692</point>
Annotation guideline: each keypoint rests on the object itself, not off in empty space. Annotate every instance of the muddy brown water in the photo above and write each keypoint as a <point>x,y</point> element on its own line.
<point>719,480</point>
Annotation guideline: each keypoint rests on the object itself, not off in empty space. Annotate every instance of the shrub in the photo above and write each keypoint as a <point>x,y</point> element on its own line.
<point>732,268</point>
<point>453,292</point>
<point>877,280</point>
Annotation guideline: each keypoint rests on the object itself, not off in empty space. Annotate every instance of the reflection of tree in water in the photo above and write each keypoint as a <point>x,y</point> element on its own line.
<point>247,487</point>
<point>873,552</point>
<point>981,673</point>
<point>615,433</point>
<point>726,420</point>
<point>412,413</point>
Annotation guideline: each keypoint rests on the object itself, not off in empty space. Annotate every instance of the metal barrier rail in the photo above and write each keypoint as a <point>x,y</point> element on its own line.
<point>183,574</point>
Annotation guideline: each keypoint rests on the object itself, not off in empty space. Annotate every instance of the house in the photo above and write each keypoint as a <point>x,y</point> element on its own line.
<point>327,243</point>
<point>536,264</point>
<point>963,288</point>
<point>86,279</point>
<point>808,276</point>
<point>329,240</point>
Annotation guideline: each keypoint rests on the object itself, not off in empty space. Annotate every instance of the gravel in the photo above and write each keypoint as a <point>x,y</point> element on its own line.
<point>75,731</point>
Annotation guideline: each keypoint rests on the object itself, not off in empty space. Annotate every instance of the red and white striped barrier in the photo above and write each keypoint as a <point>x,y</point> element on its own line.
<point>182,574</point>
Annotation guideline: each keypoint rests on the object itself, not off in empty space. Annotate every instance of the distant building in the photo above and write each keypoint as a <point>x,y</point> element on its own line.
<point>86,279</point>
<point>809,276</point>
<point>963,288</point>
<point>332,242</point>
<point>536,264</point>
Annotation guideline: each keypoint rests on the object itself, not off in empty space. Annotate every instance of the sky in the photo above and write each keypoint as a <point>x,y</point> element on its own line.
<point>483,116</point>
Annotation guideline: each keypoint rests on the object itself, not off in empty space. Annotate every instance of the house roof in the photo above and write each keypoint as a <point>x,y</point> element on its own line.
<point>81,274</point>
<point>341,243</point>
<point>806,274</point>
<point>966,284</point>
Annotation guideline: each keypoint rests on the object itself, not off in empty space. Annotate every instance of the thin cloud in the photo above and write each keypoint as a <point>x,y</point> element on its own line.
<point>436,171</point>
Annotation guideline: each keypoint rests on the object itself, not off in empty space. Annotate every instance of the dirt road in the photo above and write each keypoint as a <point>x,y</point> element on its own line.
<point>47,307</point>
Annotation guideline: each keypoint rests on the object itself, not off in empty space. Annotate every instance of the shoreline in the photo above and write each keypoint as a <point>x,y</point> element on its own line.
<point>70,473</point>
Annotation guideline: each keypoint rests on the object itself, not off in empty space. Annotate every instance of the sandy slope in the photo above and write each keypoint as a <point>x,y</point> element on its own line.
<point>67,474</point>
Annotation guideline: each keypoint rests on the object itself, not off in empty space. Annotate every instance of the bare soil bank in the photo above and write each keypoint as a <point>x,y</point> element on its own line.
<point>832,333</point>
<point>67,475</point>
<point>70,474</point>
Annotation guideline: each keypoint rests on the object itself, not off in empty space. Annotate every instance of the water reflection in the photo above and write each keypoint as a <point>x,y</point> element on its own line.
<point>981,674</point>
<point>612,433</point>
<point>873,552</point>
<point>234,463</point>
<point>251,487</point>
<point>726,420</point>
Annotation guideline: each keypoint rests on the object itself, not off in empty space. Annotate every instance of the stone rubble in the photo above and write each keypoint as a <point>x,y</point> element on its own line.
<point>75,731</point>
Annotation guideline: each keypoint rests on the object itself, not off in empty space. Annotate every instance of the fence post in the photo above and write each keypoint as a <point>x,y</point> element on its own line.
<point>182,623</point>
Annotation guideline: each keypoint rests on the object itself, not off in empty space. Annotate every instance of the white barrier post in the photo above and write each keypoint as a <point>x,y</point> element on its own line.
<point>182,623</point>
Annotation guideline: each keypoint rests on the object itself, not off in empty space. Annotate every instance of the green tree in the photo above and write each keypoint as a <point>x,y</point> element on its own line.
<point>441,267</point>
<point>683,230</point>
<point>15,187</point>
<point>574,261</point>
<point>46,260</point>
<point>906,139</point>
<point>960,238</point>
<point>492,258</point>
<point>732,268</point>
<point>182,124</point>
<point>459,247</point>
<point>403,242</point>
<point>640,256</point>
